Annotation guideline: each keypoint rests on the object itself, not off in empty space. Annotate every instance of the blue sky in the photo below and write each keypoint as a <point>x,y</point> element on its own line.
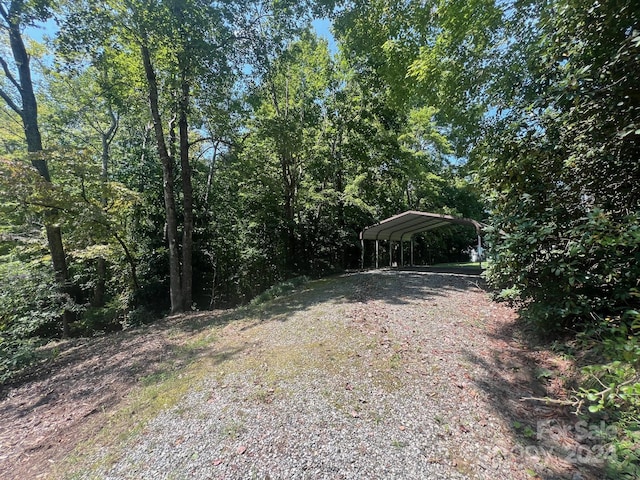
<point>323,29</point>
<point>38,33</point>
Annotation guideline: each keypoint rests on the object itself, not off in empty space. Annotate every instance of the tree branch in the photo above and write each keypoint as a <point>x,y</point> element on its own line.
<point>212,139</point>
<point>10,102</point>
<point>4,13</point>
<point>573,402</point>
<point>9,75</point>
<point>113,127</point>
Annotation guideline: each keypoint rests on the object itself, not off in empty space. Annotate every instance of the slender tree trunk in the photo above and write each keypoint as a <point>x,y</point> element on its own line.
<point>54,237</point>
<point>212,167</point>
<point>167,176</point>
<point>339,182</point>
<point>101,264</point>
<point>132,262</point>
<point>187,197</point>
<point>288,179</point>
<point>29,116</point>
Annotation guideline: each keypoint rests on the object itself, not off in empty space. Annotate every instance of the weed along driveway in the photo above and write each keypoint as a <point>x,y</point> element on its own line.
<point>380,374</point>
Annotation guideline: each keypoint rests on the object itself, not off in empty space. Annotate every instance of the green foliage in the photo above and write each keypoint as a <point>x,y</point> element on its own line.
<point>612,387</point>
<point>279,290</point>
<point>562,174</point>
<point>615,384</point>
<point>442,55</point>
<point>30,308</point>
<point>119,313</point>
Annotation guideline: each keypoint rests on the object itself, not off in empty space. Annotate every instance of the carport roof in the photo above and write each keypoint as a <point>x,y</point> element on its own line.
<point>405,225</point>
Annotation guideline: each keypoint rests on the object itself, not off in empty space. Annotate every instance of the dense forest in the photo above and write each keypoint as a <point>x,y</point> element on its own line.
<point>167,155</point>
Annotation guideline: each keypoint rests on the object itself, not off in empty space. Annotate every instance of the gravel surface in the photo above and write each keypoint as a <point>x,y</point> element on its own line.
<point>370,376</point>
<point>375,375</point>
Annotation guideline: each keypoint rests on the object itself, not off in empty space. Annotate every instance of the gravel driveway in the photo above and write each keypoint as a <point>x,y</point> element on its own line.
<point>376,375</point>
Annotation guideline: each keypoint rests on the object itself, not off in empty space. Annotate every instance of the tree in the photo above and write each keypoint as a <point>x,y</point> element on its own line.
<point>445,55</point>
<point>564,178</point>
<point>82,111</point>
<point>288,116</point>
<point>16,15</point>
<point>176,43</point>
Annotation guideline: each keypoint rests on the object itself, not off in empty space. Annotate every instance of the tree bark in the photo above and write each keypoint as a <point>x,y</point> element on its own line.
<point>290,182</point>
<point>29,115</point>
<point>187,196</point>
<point>99,290</point>
<point>175,292</point>
<point>132,262</point>
<point>101,266</point>
<point>212,167</point>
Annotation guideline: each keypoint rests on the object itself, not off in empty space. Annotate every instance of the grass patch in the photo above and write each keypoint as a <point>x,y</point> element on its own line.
<point>119,428</point>
<point>109,433</point>
<point>461,264</point>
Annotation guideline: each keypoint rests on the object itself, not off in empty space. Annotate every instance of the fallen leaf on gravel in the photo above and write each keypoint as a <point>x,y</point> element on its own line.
<point>241,449</point>
<point>355,414</point>
<point>217,461</point>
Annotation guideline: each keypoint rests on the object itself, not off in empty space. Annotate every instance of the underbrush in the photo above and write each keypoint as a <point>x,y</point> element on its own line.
<point>29,309</point>
<point>610,389</point>
<point>279,290</point>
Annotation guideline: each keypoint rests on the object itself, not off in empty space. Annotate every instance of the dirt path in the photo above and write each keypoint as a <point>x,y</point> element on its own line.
<point>377,375</point>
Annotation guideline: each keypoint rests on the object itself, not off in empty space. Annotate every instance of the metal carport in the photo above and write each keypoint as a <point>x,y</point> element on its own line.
<point>408,224</point>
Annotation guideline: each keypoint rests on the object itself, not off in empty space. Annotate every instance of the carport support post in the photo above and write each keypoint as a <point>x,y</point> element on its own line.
<point>411,264</point>
<point>390,254</point>
<point>401,254</point>
<point>361,253</point>
<point>377,251</point>
<point>480,250</point>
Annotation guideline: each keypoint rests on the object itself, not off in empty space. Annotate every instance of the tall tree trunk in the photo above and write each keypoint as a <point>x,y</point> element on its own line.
<point>212,168</point>
<point>175,293</point>
<point>289,185</point>
<point>29,115</point>
<point>101,264</point>
<point>187,196</point>
<point>336,153</point>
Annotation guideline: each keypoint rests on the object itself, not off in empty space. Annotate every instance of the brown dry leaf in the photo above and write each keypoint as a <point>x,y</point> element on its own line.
<point>241,449</point>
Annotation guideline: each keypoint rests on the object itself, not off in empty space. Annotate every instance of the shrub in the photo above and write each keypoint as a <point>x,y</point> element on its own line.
<point>279,290</point>
<point>612,387</point>
<point>29,307</point>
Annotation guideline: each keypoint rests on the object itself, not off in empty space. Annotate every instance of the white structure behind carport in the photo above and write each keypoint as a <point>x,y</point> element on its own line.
<point>405,226</point>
